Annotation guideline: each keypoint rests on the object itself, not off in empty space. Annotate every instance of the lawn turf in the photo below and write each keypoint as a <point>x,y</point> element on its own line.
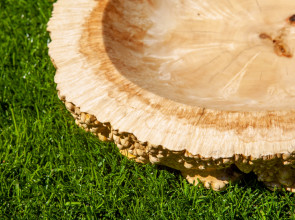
<point>50,168</point>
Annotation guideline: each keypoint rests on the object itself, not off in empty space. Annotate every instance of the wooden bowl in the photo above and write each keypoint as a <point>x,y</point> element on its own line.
<point>205,87</point>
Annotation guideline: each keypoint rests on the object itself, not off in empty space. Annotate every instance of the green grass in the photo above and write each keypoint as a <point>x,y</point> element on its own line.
<point>49,168</point>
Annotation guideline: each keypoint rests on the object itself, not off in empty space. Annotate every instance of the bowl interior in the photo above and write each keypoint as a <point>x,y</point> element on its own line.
<point>220,54</point>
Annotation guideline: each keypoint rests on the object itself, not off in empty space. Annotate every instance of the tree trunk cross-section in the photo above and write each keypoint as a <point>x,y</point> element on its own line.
<point>205,87</point>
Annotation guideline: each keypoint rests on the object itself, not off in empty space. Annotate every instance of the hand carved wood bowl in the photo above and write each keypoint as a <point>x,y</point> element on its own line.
<point>203,86</point>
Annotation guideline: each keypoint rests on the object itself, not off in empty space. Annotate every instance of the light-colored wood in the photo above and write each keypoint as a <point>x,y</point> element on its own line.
<point>212,80</point>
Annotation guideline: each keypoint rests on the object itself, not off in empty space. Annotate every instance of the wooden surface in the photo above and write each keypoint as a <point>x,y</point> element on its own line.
<point>213,80</point>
